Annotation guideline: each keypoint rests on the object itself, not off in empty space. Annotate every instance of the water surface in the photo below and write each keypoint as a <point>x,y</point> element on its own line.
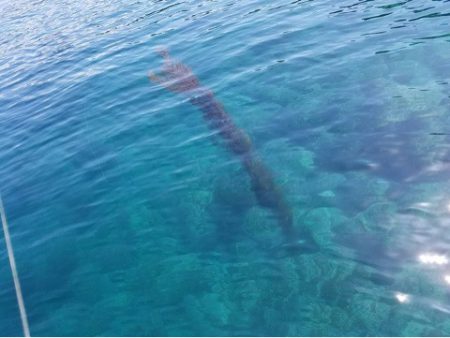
<point>130,217</point>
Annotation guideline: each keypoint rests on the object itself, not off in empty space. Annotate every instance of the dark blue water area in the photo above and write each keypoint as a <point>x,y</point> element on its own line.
<point>129,216</point>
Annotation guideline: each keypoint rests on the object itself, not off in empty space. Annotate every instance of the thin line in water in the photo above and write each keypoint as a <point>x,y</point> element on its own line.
<point>12,263</point>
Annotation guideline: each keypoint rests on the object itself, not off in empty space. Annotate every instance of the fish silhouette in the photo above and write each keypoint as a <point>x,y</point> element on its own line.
<point>179,78</point>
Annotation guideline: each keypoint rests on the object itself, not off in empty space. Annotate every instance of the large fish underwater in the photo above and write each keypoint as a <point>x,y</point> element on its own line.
<point>177,77</point>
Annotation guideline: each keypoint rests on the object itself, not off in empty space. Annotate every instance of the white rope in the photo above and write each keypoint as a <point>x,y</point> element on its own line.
<point>12,263</point>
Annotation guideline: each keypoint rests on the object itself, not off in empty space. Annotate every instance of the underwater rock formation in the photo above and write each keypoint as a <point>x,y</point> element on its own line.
<point>177,77</point>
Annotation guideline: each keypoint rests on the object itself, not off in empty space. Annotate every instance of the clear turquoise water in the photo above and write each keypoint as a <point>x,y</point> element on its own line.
<point>129,217</point>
